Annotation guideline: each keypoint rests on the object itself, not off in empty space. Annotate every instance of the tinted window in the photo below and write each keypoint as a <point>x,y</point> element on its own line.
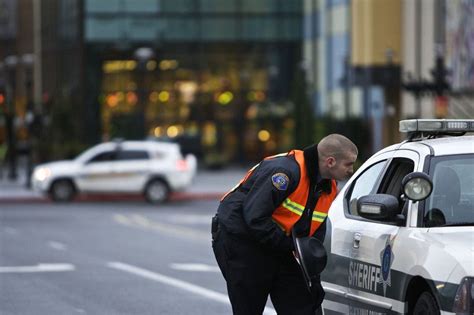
<point>452,199</point>
<point>103,157</point>
<point>364,185</point>
<point>132,155</point>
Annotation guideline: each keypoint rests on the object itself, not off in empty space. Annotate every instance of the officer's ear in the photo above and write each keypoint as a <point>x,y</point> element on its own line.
<point>331,161</point>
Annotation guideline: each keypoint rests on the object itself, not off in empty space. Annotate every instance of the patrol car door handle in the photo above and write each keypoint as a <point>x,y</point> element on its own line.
<point>357,238</point>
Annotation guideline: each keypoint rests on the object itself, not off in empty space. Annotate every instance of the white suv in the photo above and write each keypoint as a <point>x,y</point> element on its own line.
<point>149,167</point>
<point>400,235</point>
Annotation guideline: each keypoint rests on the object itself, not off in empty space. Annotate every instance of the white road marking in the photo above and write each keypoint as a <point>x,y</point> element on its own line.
<point>195,267</point>
<point>10,230</point>
<point>122,219</point>
<point>38,268</point>
<point>210,294</point>
<point>141,220</point>
<point>57,245</point>
<point>175,230</point>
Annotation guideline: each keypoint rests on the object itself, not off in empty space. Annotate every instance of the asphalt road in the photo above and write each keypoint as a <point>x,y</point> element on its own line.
<point>109,258</point>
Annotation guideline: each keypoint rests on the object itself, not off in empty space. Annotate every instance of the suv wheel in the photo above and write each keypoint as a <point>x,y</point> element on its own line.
<point>62,190</point>
<point>157,191</point>
<point>426,305</point>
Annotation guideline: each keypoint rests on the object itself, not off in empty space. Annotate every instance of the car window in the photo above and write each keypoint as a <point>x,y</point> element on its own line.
<point>364,185</point>
<point>106,156</point>
<point>452,199</point>
<point>132,155</point>
<point>392,180</point>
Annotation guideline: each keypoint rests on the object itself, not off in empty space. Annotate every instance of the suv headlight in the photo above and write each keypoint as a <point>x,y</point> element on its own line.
<point>464,299</point>
<point>42,173</point>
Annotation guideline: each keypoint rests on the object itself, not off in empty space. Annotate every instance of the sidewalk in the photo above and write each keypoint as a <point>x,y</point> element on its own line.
<point>207,185</point>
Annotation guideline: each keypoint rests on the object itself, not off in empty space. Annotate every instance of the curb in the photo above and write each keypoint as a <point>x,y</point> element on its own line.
<point>174,197</point>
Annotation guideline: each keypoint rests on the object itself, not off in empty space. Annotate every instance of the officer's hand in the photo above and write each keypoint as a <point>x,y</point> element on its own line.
<point>317,291</point>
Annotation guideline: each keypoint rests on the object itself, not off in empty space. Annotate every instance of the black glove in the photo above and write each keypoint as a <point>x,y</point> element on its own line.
<point>317,291</point>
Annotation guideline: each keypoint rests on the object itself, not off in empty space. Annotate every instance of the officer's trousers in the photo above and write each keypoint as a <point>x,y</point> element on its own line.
<point>253,272</point>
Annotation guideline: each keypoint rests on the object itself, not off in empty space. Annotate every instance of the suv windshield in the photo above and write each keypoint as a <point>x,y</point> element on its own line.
<point>452,199</point>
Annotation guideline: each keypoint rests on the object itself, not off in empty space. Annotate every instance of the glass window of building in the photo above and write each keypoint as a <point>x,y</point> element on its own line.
<point>177,6</point>
<point>218,6</point>
<point>109,6</point>
<point>215,83</point>
<point>261,6</point>
<point>142,6</point>
<point>219,28</point>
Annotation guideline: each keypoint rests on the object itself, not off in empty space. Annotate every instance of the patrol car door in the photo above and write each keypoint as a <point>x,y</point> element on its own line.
<point>343,234</point>
<point>371,277</point>
<point>95,174</point>
<point>362,250</point>
<point>131,168</point>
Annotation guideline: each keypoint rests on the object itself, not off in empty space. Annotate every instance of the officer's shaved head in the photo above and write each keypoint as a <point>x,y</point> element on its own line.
<point>336,155</point>
<point>336,145</point>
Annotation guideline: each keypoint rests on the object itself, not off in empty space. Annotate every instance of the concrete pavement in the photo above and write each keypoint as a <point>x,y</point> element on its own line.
<point>206,185</point>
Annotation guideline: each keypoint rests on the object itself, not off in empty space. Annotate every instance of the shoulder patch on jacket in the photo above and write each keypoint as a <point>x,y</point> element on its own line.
<point>280,181</point>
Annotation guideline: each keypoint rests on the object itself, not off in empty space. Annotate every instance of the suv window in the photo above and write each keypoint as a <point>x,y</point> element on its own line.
<point>106,156</point>
<point>364,185</point>
<point>132,155</point>
<point>452,199</point>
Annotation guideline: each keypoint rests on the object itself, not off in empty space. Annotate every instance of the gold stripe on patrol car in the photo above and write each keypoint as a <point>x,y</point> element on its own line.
<point>111,175</point>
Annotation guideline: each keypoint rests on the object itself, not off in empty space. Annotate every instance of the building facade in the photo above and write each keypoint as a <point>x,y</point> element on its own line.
<point>353,64</point>
<point>445,30</point>
<point>382,61</point>
<point>212,74</point>
<point>217,76</point>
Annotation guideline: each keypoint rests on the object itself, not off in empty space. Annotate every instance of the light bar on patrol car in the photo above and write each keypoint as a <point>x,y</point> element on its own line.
<point>437,125</point>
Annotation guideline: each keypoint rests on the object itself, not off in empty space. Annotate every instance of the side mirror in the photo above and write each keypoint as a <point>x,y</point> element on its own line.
<point>417,186</point>
<point>381,207</point>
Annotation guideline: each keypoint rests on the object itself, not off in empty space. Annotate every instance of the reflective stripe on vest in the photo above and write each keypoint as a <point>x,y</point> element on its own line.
<point>298,209</point>
<point>291,209</point>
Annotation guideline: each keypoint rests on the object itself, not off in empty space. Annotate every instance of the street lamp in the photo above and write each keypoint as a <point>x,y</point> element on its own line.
<point>142,55</point>
<point>10,63</point>
<point>27,61</point>
<point>3,147</point>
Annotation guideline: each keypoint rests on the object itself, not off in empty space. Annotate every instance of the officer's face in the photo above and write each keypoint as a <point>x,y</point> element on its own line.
<point>342,168</point>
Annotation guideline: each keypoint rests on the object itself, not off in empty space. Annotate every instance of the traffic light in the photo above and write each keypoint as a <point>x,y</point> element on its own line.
<point>439,85</point>
<point>2,100</point>
<point>440,73</point>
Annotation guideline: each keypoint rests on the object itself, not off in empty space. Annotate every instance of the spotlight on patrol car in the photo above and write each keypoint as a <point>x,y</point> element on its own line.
<point>417,186</point>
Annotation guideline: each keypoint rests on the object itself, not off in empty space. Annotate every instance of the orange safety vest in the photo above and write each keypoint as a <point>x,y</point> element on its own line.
<point>291,209</point>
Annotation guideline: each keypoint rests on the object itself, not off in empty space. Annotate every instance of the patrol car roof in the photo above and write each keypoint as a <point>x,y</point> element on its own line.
<point>439,146</point>
<point>451,145</point>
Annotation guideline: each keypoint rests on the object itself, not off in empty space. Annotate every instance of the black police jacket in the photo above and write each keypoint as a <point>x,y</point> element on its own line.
<point>247,211</point>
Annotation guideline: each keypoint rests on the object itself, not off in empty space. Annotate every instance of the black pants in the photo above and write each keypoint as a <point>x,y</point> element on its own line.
<point>253,272</point>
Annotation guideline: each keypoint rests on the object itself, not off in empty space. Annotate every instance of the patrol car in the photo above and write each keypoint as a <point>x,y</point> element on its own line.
<point>400,235</point>
<point>149,167</point>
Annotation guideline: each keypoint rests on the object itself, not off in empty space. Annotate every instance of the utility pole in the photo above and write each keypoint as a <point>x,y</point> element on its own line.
<point>37,61</point>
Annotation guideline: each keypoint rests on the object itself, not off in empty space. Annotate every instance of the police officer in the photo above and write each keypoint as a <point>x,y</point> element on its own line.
<point>252,228</point>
